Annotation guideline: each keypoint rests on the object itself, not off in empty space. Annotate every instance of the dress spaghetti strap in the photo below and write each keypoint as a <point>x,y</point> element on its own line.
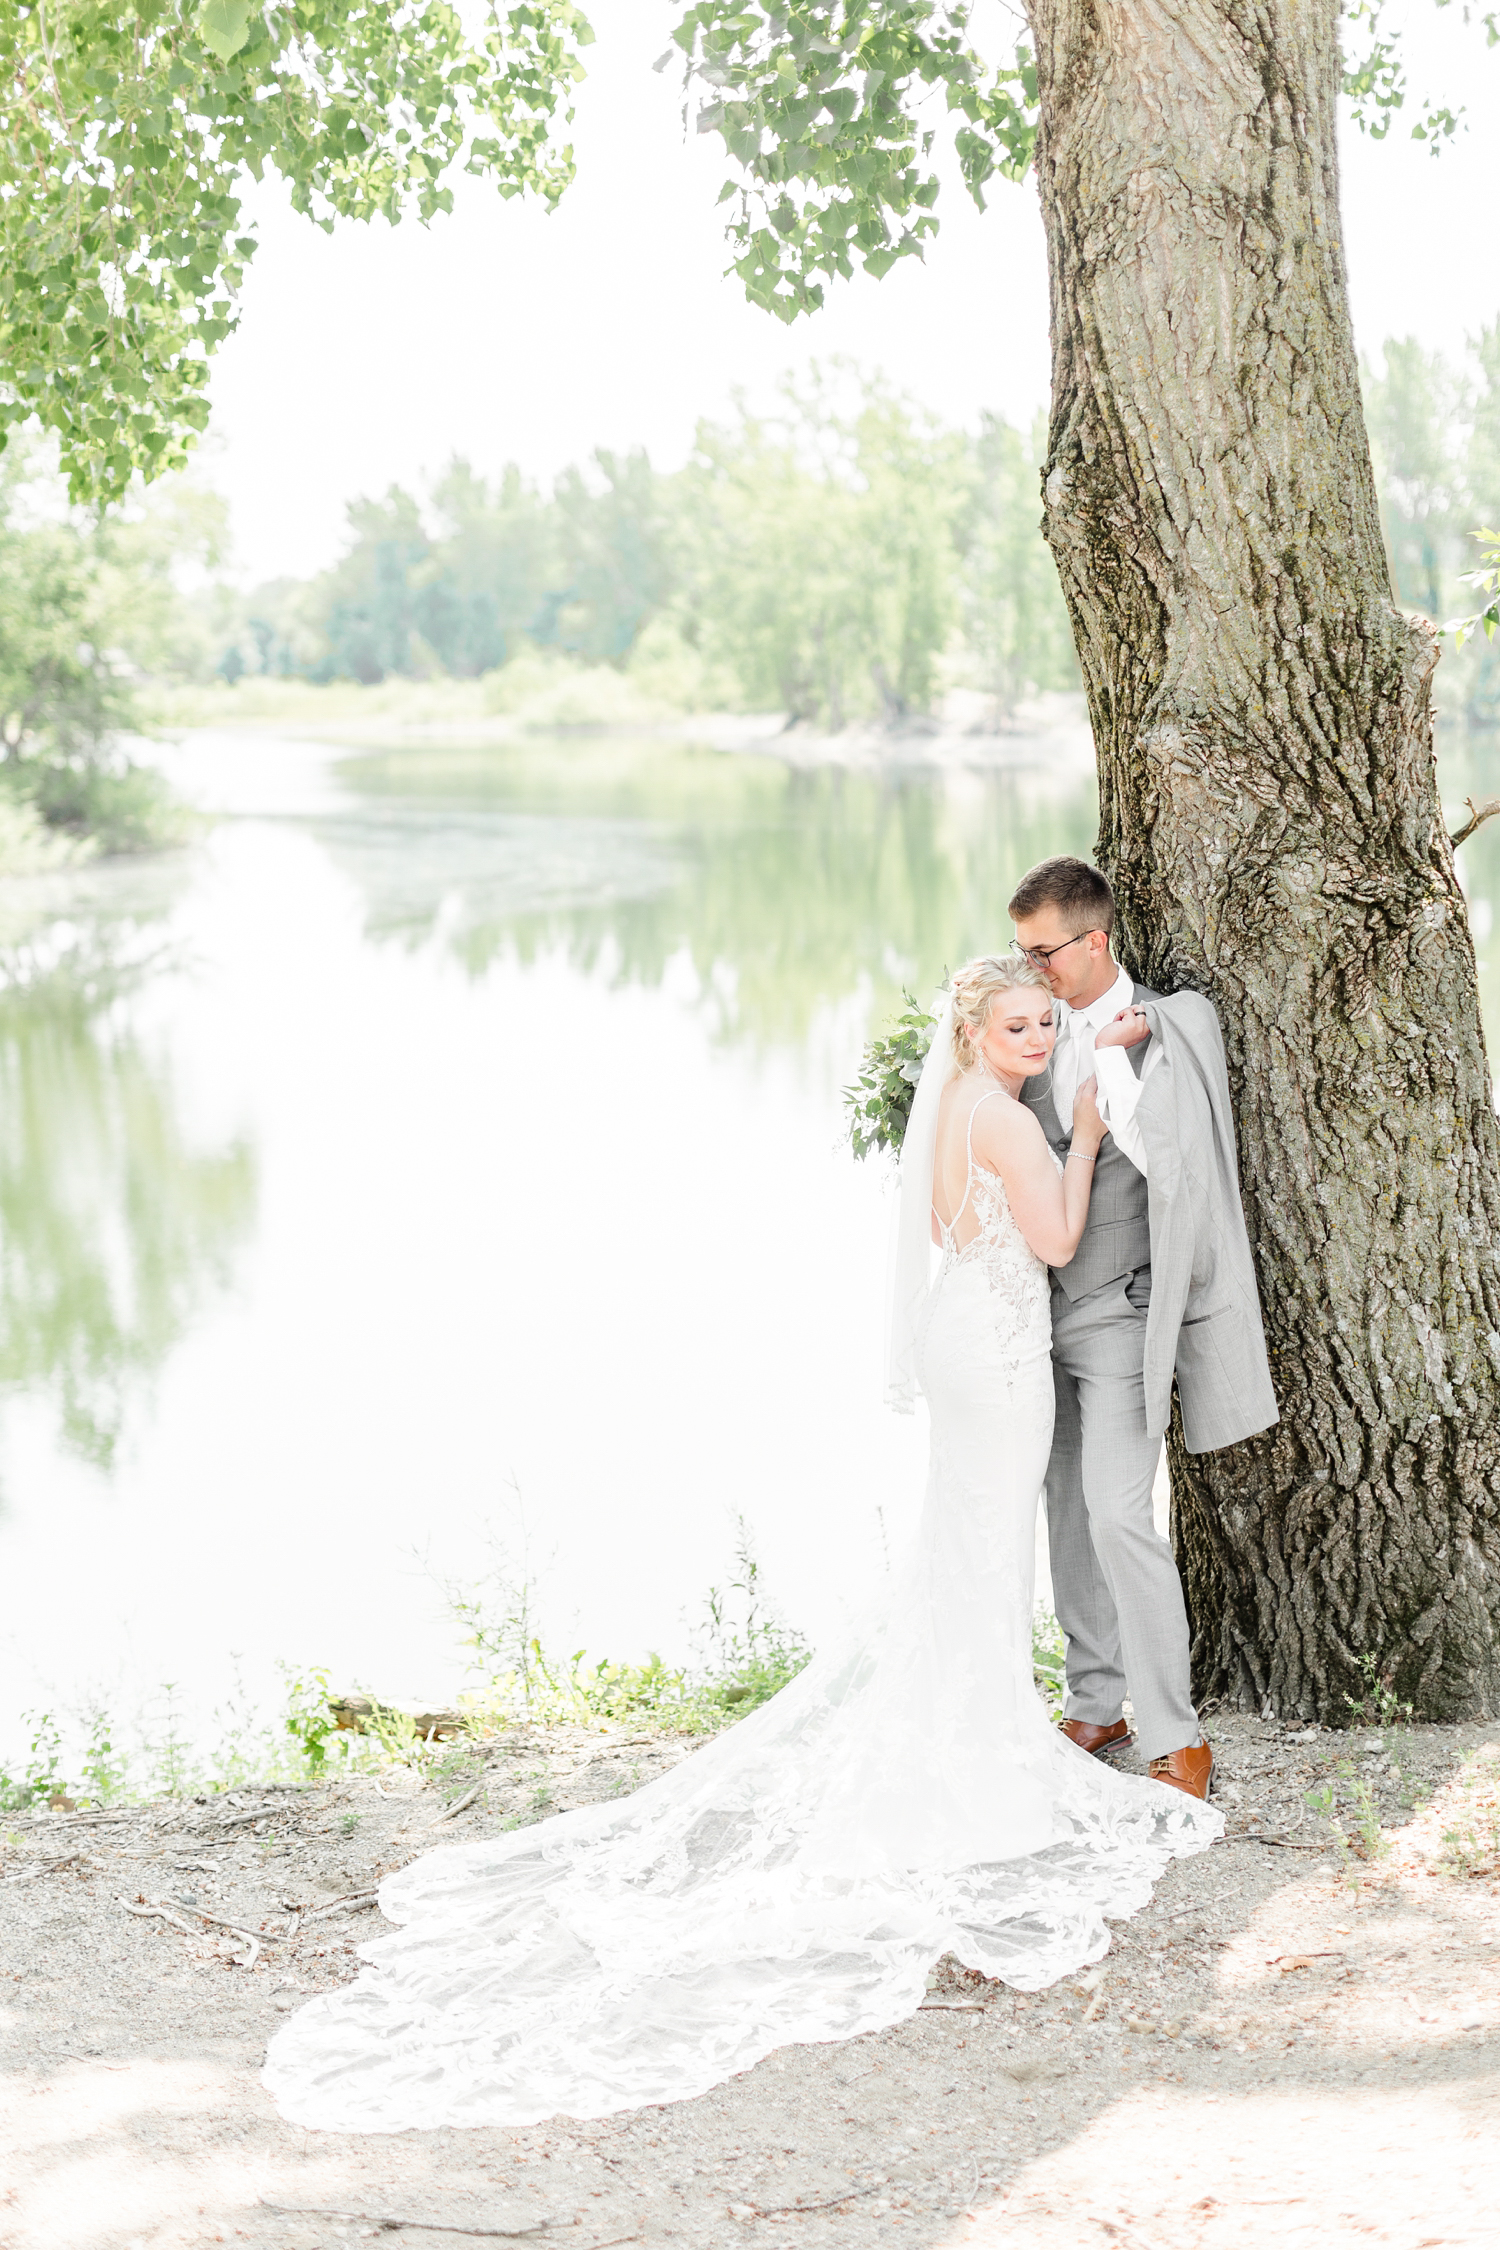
<point>946,1226</point>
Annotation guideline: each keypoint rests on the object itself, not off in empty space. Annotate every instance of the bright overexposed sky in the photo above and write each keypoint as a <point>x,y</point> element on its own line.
<point>373,355</point>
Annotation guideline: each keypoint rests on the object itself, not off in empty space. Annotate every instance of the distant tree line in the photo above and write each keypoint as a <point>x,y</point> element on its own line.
<point>460,586</point>
<point>842,557</point>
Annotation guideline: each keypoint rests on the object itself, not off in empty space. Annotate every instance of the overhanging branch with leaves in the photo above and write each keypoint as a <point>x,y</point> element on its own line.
<point>128,131</point>
<point>822,104</point>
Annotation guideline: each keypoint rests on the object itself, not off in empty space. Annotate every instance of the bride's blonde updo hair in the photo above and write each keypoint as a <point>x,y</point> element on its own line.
<point>977,986</point>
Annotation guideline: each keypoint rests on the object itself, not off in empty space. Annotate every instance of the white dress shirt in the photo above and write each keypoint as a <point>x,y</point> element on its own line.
<point>1075,1056</point>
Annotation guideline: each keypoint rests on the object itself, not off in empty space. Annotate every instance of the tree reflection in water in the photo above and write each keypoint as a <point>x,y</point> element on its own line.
<point>789,889</point>
<point>112,1227</point>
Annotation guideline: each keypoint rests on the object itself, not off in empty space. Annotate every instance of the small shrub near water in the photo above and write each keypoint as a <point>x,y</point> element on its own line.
<point>108,804</point>
<point>41,1778</point>
<point>29,847</point>
<point>105,1770</point>
<point>652,1693</point>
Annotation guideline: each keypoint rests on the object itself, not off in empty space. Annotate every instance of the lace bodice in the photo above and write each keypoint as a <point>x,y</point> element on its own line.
<point>1020,1306</point>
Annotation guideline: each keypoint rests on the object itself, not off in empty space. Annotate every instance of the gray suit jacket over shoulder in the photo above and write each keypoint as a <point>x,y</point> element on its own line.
<point>1204,1321</point>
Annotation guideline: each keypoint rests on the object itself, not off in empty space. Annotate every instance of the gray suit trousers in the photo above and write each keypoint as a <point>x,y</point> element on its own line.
<point>1118,1595</point>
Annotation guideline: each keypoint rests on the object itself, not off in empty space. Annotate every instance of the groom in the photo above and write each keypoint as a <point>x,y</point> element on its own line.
<point>1115,1584</point>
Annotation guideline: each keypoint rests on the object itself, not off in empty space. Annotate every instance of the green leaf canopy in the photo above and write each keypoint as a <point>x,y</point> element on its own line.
<point>820,104</point>
<point>127,130</point>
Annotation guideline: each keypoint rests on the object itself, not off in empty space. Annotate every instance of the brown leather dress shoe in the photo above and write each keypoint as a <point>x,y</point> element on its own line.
<point>1189,1770</point>
<point>1094,1739</point>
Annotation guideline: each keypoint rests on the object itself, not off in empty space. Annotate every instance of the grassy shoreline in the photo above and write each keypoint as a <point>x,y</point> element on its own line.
<point>89,1760</point>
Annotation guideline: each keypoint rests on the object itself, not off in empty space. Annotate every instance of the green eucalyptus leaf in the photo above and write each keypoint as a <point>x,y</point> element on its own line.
<point>879,1102</point>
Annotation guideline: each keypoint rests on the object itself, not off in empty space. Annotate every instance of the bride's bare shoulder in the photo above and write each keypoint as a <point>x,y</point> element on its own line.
<point>1003,1128</point>
<point>1006,1128</point>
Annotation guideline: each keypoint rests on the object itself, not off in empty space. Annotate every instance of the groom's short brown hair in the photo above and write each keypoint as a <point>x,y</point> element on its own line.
<point>1079,892</point>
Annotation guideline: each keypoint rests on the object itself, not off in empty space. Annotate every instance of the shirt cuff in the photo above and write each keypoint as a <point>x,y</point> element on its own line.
<point>1119,1088</point>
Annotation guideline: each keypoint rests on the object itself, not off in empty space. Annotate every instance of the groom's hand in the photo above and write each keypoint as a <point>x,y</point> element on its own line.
<point>1128,1029</point>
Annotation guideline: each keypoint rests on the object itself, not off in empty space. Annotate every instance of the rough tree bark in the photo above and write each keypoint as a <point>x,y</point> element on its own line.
<point>1269,815</point>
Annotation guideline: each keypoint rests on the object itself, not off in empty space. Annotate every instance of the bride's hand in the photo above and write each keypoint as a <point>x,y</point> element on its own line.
<point>1089,1127</point>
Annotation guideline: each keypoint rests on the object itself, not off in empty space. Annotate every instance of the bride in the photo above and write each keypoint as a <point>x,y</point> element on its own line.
<point>904,1797</point>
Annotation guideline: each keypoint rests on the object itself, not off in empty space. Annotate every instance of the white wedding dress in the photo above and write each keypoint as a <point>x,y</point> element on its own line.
<point>905,1797</point>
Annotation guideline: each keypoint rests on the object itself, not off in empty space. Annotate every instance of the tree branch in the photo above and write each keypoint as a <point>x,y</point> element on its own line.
<point>1478,814</point>
<point>384,2224</point>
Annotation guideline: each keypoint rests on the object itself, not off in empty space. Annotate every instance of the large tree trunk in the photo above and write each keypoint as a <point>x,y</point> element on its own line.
<point>1269,815</point>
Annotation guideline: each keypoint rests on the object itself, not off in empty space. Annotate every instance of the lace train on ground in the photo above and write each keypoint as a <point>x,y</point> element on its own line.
<point>795,1879</point>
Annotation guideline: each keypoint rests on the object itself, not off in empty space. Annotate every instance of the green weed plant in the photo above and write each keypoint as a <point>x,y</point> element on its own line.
<point>1379,1706</point>
<point>748,1656</point>
<point>1351,1808</point>
<point>1471,1841</point>
<point>1048,1652</point>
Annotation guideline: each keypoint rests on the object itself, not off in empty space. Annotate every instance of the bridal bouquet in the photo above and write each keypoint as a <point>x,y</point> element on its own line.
<point>879,1102</point>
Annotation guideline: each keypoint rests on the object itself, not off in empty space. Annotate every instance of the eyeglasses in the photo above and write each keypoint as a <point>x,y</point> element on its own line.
<point>1040,955</point>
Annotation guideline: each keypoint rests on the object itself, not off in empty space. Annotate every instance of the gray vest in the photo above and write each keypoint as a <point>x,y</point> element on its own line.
<point>1117,1236</point>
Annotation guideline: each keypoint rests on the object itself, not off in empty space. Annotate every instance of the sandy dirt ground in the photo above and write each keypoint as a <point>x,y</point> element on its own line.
<point>1296,2042</point>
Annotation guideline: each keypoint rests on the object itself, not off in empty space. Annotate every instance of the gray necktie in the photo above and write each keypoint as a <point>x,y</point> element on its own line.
<point>1065,1071</point>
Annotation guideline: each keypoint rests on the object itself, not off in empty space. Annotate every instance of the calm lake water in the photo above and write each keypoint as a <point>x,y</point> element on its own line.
<point>449,1150</point>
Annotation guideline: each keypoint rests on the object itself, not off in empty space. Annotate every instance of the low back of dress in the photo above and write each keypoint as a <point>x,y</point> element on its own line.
<point>983,1232</point>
